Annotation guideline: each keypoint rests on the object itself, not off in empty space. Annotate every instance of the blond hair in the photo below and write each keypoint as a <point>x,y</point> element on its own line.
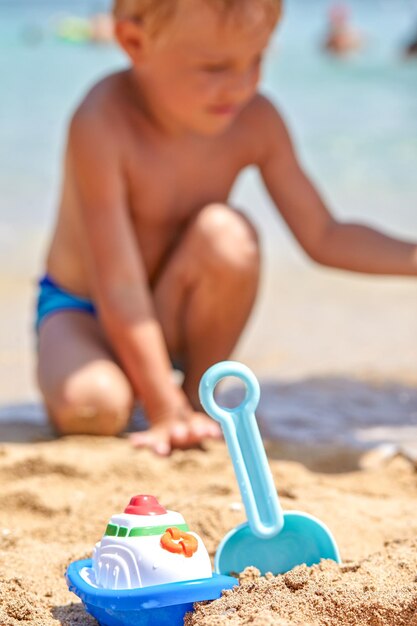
<point>160,11</point>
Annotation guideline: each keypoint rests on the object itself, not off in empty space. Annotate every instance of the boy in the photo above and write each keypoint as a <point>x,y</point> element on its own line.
<point>148,264</point>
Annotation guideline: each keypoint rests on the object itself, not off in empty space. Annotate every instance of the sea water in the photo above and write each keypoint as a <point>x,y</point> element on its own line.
<point>353,121</point>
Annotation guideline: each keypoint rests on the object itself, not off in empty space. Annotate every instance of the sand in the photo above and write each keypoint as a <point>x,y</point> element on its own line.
<point>337,360</point>
<point>56,496</point>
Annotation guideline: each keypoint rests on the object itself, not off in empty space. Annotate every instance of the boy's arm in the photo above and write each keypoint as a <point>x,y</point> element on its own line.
<point>327,241</point>
<point>118,274</point>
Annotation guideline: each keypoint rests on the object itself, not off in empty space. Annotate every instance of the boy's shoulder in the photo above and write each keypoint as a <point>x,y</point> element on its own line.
<point>262,112</point>
<point>103,103</point>
<point>264,126</point>
<point>106,94</point>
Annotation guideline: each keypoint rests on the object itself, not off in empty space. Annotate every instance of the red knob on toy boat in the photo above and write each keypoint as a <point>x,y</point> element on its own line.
<point>144,505</point>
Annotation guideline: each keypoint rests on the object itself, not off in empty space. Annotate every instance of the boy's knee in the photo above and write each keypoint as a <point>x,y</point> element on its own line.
<point>99,403</point>
<point>228,240</point>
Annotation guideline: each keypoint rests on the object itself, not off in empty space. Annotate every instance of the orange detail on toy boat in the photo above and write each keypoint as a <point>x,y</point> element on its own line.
<point>176,541</point>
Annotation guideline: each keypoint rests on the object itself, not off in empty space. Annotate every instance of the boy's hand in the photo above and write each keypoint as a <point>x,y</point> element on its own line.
<point>183,431</point>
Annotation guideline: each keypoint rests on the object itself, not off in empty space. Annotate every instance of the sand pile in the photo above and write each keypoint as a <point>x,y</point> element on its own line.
<point>57,496</point>
<point>381,589</point>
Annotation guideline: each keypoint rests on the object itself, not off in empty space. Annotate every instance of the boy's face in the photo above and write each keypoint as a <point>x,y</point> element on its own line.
<point>204,66</point>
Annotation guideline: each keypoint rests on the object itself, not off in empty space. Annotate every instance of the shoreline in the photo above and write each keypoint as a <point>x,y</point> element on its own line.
<point>308,321</point>
<point>336,356</point>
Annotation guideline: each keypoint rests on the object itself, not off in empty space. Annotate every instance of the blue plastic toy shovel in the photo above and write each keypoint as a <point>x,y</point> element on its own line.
<point>271,540</point>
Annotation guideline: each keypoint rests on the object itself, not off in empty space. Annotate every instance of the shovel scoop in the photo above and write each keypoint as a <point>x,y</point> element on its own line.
<point>271,540</point>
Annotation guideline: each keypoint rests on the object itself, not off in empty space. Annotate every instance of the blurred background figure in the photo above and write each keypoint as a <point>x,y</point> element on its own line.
<point>97,28</point>
<point>341,38</point>
<point>101,28</point>
<point>411,48</point>
<point>33,34</point>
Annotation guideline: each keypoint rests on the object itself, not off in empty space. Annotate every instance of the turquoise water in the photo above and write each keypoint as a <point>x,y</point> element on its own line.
<point>354,122</point>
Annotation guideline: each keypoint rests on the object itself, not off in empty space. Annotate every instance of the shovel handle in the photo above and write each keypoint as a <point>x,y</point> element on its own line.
<point>245,446</point>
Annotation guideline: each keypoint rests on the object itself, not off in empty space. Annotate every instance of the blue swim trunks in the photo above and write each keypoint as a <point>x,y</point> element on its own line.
<point>53,299</point>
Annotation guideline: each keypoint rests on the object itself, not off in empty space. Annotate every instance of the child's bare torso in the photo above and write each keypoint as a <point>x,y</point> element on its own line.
<point>166,181</point>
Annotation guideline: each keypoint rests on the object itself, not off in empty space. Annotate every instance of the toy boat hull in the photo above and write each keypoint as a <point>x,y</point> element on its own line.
<point>165,605</point>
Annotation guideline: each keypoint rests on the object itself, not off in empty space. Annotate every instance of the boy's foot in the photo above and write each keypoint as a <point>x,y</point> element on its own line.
<point>181,433</point>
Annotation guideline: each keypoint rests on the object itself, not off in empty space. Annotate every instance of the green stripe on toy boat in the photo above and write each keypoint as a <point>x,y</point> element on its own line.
<point>154,530</point>
<point>111,530</point>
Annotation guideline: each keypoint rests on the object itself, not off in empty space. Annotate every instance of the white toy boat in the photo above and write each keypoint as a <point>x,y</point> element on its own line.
<point>148,569</point>
<point>148,545</point>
